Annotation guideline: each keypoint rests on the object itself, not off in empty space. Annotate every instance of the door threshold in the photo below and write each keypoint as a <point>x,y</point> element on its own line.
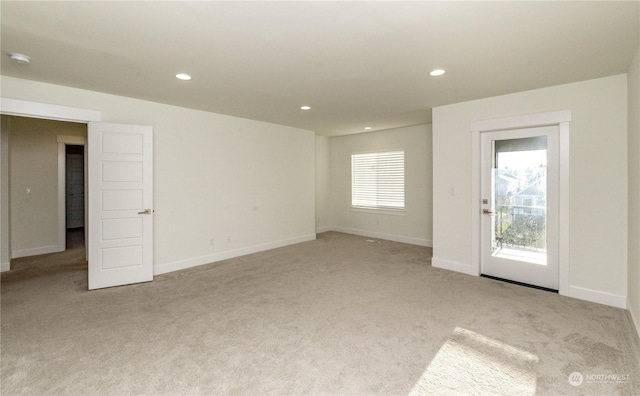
<point>520,283</point>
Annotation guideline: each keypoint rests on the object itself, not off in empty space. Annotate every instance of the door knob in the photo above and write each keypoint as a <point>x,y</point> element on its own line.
<point>146,212</point>
<point>488,212</point>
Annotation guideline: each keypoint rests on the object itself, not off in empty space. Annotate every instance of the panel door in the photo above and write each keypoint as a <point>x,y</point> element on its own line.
<point>120,204</point>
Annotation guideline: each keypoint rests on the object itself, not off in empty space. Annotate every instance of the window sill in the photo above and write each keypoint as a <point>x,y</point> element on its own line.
<point>391,212</point>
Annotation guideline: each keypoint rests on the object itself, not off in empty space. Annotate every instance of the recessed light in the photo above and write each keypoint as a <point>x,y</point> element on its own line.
<point>183,76</point>
<point>305,107</point>
<point>20,58</point>
<point>368,128</point>
<point>437,72</point>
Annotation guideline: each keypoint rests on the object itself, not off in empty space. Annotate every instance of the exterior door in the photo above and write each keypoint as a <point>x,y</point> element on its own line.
<point>120,205</point>
<point>519,190</point>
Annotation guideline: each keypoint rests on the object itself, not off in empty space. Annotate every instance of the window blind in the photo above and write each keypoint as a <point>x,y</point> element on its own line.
<point>377,180</point>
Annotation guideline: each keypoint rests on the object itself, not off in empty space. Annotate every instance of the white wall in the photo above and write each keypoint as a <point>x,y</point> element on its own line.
<point>415,227</point>
<point>598,179</point>
<point>214,175</point>
<point>323,211</point>
<point>5,239</point>
<point>633,84</point>
<point>34,166</point>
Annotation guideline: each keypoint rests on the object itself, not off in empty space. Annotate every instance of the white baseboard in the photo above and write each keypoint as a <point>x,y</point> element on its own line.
<point>599,297</point>
<point>634,319</point>
<point>35,251</point>
<point>320,230</point>
<point>387,237</point>
<point>5,267</point>
<point>196,261</point>
<point>453,266</point>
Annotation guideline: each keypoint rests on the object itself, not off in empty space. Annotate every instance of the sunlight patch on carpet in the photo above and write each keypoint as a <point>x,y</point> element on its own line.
<point>470,363</point>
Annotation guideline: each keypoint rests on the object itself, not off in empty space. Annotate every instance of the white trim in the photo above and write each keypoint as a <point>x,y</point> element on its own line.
<point>380,211</point>
<point>563,210</point>
<point>599,297</point>
<point>5,213</point>
<point>386,237</point>
<point>560,118</point>
<point>63,140</point>
<point>76,140</point>
<point>62,164</point>
<point>48,111</point>
<point>35,251</point>
<point>476,174</point>
<point>197,261</point>
<point>51,112</point>
<point>320,230</point>
<point>523,121</point>
<point>454,266</point>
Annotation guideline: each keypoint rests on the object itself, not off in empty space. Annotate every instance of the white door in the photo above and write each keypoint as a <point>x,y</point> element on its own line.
<point>120,206</point>
<point>74,180</point>
<point>519,191</point>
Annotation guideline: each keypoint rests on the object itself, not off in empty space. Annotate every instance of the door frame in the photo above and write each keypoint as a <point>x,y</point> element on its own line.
<point>25,108</point>
<point>520,270</point>
<point>63,141</point>
<point>560,118</point>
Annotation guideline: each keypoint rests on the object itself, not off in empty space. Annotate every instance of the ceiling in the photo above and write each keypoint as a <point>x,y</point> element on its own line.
<point>356,64</point>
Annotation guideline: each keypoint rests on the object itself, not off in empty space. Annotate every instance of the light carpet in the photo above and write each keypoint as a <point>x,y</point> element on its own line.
<point>335,316</point>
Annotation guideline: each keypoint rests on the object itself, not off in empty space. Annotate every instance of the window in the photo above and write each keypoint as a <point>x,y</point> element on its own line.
<point>377,181</point>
